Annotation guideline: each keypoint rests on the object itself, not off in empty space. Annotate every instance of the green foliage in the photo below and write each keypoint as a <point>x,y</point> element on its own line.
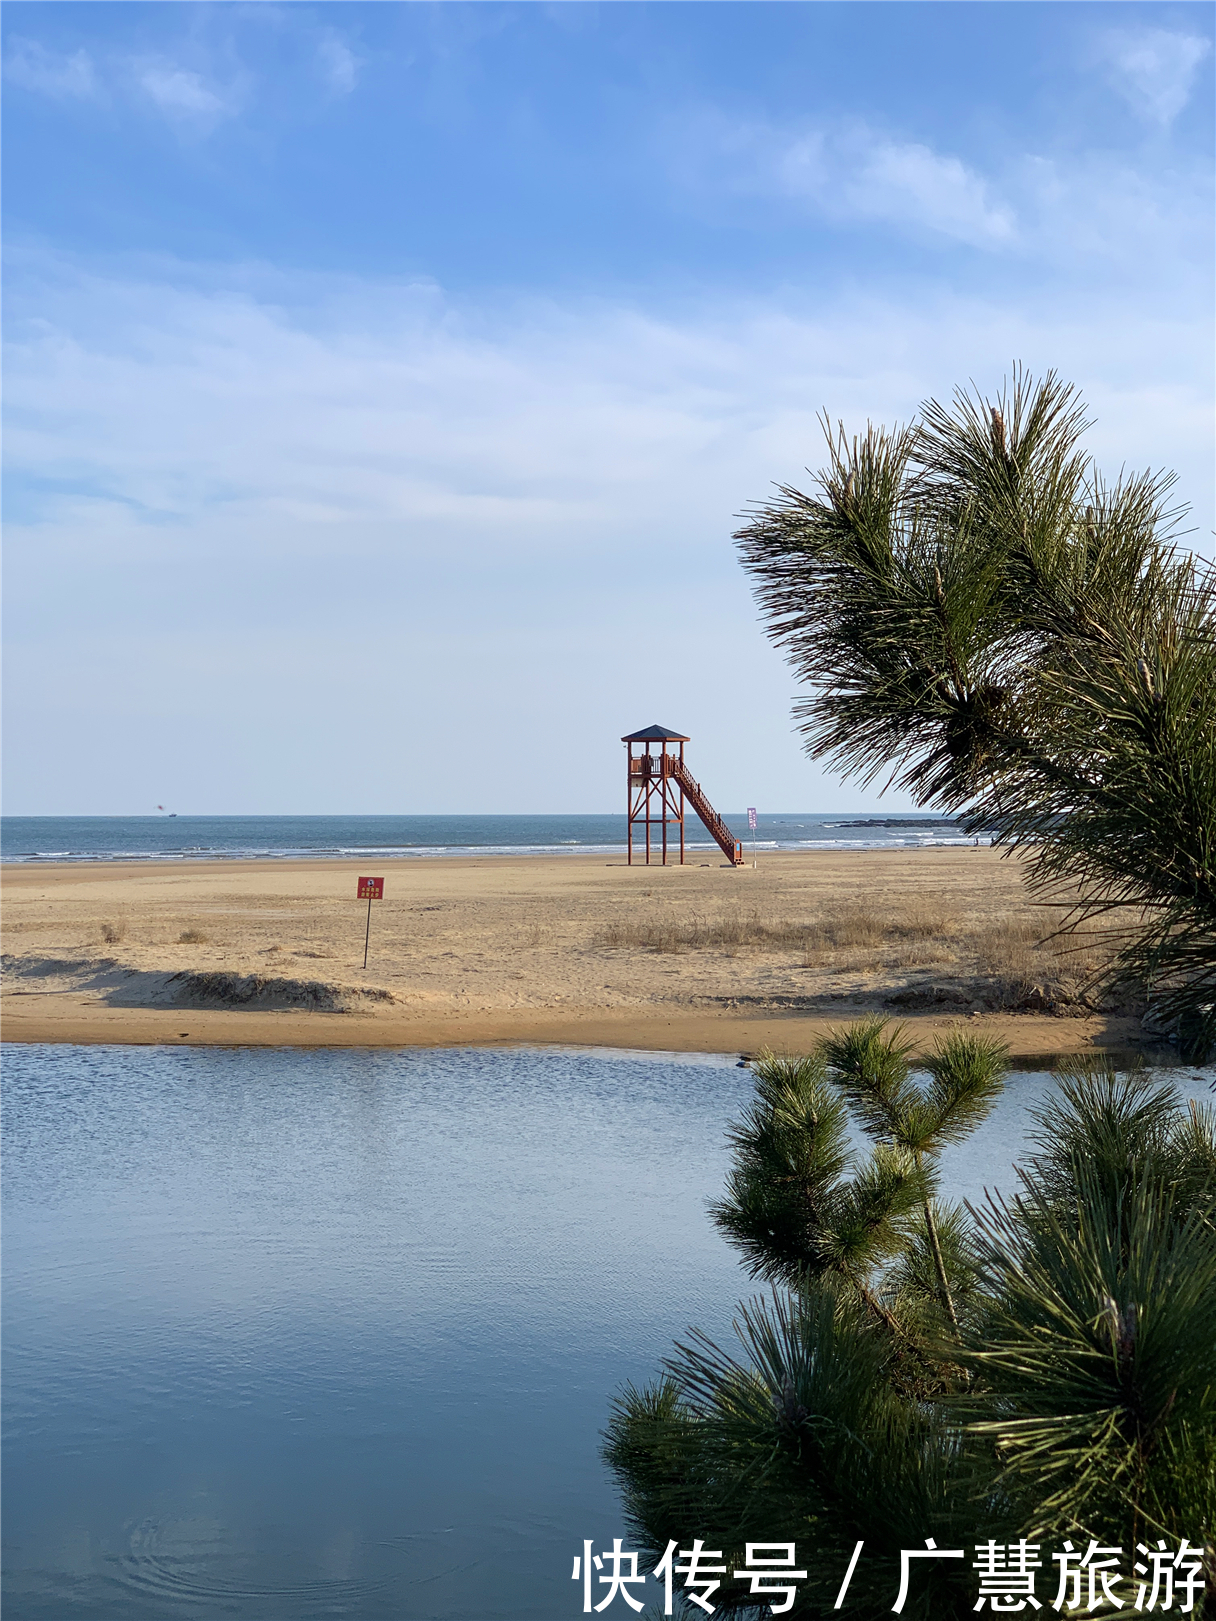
<point>981,616</point>
<point>1098,1358</point>
<point>798,1435</point>
<point>1118,793</point>
<point>1069,1392</point>
<point>789,1208</point>
<point>1099,1341</point>
<point>913,1280</point>
<point>1121,1129</point>
<point>966,1076</point>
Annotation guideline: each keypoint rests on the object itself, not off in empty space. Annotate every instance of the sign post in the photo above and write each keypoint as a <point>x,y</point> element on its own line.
<point>370,889</point>
<point>751,822</point>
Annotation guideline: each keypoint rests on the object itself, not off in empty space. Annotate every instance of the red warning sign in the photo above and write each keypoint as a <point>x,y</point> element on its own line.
<point>371,889</point>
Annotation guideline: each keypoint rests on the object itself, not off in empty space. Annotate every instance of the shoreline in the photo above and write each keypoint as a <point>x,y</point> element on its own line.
<point>608,856</point>
<point>62,1023</point>
<point>564,949</point>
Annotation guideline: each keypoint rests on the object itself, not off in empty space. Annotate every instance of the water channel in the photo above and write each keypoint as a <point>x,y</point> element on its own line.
<point>298,1334</point>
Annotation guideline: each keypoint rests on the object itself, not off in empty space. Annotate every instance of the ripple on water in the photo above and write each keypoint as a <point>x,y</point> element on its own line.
<point>295,1335</point>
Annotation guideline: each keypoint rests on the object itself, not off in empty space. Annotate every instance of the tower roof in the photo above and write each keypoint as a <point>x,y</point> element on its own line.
<point>655,734</point>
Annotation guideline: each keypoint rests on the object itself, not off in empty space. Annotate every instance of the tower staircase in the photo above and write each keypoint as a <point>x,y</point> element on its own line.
<point>714,825</point>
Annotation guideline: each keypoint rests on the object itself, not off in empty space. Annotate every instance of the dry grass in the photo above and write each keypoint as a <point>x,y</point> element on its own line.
<point>670,935</point>
<point>1019,947</point>
<point>192,937</point>
<point>1018,959</point>
<point>112,933</point>
<point>1009,949</point>
<point>925,953</point>
<point>1012,955</point>
<point>917,936</point>
<point>850,929</point>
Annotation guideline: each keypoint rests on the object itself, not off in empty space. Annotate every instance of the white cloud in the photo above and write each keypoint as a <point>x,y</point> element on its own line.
<point>339,64</point>
<point>50,73</point>
<point>911,184</point>
<point>1154,69</point>
<point>850,174</point>
<point>181,93</point>
<point>357,505</point>
<point>1124,221</point>
<point>302,404</point>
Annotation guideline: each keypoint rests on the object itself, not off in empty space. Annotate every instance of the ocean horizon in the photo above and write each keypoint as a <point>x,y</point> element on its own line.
<point>182,837</point>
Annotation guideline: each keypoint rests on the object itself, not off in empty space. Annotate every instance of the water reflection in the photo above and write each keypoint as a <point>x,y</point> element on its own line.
<point>306,1334</point>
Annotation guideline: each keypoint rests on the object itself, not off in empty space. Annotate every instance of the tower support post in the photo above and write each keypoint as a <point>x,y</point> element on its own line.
<point>655,793</point>
<point>663,780</point>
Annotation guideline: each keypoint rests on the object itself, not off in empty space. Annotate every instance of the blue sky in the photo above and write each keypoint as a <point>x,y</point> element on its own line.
<point>383,381</point>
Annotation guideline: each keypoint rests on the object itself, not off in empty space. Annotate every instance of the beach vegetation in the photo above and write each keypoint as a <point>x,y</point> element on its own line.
<point>999,962</point>
<point>984,620</point>
<point>1042,1366</point>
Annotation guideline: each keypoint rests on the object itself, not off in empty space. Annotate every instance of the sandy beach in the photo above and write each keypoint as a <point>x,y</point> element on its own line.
<point>574,949</point>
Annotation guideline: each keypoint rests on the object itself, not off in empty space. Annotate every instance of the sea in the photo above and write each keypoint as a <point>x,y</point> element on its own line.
<point>386,838</point>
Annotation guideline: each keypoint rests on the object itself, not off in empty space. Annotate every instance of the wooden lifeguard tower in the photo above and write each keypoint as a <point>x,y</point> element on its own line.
<point>659,783</point>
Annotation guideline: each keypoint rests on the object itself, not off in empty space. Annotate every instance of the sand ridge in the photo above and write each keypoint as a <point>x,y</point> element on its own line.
<point>571,948</point>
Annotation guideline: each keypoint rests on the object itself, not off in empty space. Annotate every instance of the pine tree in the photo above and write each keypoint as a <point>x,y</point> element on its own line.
<point>1070,1392</point>
<point>984,620</point>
